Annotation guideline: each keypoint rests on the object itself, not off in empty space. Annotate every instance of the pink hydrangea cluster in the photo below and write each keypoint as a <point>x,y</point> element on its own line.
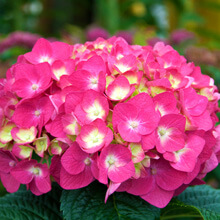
<point>136,118</point>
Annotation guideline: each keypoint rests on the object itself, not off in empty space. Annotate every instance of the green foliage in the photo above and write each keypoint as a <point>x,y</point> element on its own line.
<point>194,202</point>
<point>88,203</point>
<point>23,205</point>
<point>198,202</point>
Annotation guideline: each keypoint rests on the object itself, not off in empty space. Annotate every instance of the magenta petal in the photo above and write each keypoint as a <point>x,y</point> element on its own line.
<point>44,72</point>
<point>68,181</point>
<point>158,197</point>
<point>103,175</point>
<point>81,80</point>
<point>9,182</point>
<point>202,121</point>
<point>141,186</point>
<point>27,71</point>
<point>148,122</point>
<point>173,121</point>
<point>46,107</point>
<point>186,162</point>
<point>72,99</point>
<point>166,103</point>
<point>111,189</point>
<point>22,112</point>
<point>6,158</point>
<point>192,175</point>
<point>73,159</point>
<point>61,50</point>
<point>23,89</point>
<point>43,184</point>
<point>123,112</point>
<point>148,141</point>
<point>42,48</point>
<point>120,174</point>
<point>22,173</point>
<point>167,177</point>
<point>33,188</point>
<point>55,127</point>
<point>94,65</point>
<point>128,134</point>
<point>143,102</point>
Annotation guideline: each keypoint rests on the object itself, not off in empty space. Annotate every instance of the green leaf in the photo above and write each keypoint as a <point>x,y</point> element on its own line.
<point>88,203</point>
<point>177,209</point>
<point>194,202</point>
<point>23,205</point>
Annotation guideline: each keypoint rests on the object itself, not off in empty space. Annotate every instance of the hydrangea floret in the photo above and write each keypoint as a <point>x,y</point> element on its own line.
<point>139,119</point>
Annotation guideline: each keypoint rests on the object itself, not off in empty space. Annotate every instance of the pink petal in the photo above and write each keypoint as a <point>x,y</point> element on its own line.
<point>142,101</point>
<point>68,181</point>
<point>128,134</point>
<point>158,197</point>
<point>22,112</point>
<point>22,171</point>
<point>148,122</point>
<point>9,182</point>
<point>41,49</point>
<point>148,141</point>
<point>44,72</point>
<point>55,127</point>
<point>94,65</point>
<point>166,177</point>
<point>173,120</point>
<point>111,189</point>
<point>72,99</point>
<point>202,121</point>
<point>119,89</point>
<point>141,186</point>
<point>186,162</point>
<point>7,161</point>
<point>61,50</point>
<point>23,88</point>
<point>43,183</point>
<point>121,174</point>
<point>81,80</point>
<point>123,112</point>
<point>166,103</point>
<point>73,159</point>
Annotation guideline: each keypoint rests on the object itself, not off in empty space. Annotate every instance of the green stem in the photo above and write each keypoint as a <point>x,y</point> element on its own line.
<point>119,216</point>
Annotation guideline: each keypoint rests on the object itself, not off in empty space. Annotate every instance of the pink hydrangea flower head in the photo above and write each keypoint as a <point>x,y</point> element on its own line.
<point>139,119</point>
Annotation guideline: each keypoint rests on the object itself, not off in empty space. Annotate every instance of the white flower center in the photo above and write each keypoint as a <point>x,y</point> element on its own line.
<point>34,87</point>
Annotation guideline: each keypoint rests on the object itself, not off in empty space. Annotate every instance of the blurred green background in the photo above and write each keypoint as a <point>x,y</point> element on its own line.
<point>192,27</point>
